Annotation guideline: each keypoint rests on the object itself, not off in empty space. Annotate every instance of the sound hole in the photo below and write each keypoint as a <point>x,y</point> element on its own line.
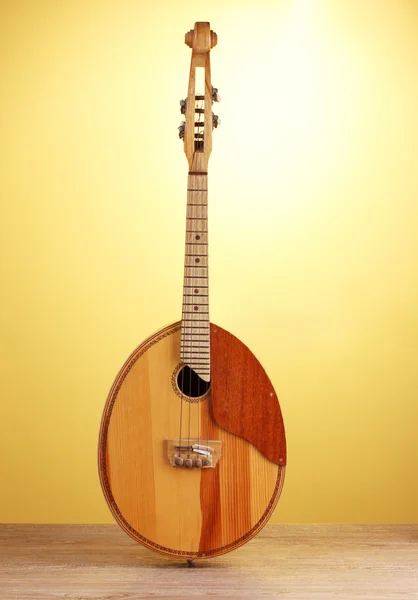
<point>190,384</point>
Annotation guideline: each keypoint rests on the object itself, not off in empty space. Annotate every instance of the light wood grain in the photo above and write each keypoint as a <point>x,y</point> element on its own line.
<point>179,511</point>
<point>296,562</point>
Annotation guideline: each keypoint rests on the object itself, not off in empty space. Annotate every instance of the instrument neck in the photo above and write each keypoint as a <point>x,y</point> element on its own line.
<point>195,331</point>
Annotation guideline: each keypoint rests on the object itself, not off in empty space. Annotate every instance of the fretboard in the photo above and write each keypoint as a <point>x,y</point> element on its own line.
<point>195,331</point>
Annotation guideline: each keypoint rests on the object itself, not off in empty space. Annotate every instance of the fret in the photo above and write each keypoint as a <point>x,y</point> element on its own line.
<point>198,271</point>
<point>196,348</point>
<point>197,362</point>
<point>195,284</point>
<point>194,337</point>
<point>197,365</point>
<point>201,371</point>
<point>197,265</point>
<point>195,190</point>
<point>206,319</point>
<point>201,362</point>
<point>196,313</point>
<point>197,218</point>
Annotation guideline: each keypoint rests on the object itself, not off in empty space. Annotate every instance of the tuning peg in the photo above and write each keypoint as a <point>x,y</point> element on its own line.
<point>215,121</point>
<point>183,106</point>
<point>215,96</point>
<point>182,127</point>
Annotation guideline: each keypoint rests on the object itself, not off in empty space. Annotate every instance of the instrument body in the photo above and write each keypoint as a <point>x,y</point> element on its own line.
<point>187,513</point>
<point>192,448</point>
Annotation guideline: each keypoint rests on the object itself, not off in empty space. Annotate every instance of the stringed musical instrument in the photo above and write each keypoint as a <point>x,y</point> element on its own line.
<point>192,448</point>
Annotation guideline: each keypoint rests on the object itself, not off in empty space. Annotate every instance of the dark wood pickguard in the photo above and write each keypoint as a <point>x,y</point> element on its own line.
<point>243,399</point>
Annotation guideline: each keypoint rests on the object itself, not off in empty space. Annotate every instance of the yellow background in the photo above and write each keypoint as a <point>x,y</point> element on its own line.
<point>313,234</point>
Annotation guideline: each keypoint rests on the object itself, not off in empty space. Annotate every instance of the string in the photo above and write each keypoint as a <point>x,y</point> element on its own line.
<point>201,186</point>
<point>195,332</point>
<point>208,317</point>
<point>182,339</point>
<point>207,301</point>
<point>191,355</point>
<point>190,349</point>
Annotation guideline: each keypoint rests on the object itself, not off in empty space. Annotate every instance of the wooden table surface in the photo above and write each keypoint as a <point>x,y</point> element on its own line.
<point>80,562</point>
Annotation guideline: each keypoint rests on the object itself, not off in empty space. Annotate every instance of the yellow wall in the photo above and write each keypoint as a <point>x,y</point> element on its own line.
<point>313,220</point>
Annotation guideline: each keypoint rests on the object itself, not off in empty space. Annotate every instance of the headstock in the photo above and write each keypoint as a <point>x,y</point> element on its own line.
<point>196,129</point>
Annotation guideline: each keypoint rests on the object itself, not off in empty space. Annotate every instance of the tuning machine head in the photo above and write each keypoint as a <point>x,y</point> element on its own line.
<point>215,121</point>
<point>182,128</point>
<point>183,104</point>
<point>215,96</point>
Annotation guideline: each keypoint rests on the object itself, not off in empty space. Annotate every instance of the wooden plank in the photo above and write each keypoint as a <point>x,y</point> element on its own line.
<point>296,562</point>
